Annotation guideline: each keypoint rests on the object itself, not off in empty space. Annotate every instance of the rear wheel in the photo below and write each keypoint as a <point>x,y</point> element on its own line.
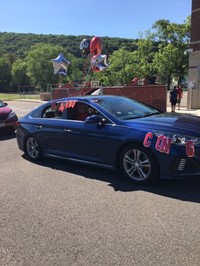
<point>32,149</point>
<point>138,164</point>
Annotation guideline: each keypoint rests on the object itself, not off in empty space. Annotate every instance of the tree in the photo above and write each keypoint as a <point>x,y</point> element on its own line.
<point>164,63</point>
<point>5,74</point>
<point>145,53</point>
<point>40,68</point>
<point>76,65</point>
<point>171,61</point>
<point>122,67</point>
<point>19,74</point>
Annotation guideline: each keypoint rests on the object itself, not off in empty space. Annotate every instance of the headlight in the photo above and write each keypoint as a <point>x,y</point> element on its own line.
<point>11,114</point>
<point>179,139</point>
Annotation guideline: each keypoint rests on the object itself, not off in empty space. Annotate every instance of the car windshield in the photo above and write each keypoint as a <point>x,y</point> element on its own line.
<point>2,104</point>
<point>125,108</point>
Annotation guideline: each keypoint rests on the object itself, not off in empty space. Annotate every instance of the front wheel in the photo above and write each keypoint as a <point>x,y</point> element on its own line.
<point>32,149</point>
<point>138,164</point>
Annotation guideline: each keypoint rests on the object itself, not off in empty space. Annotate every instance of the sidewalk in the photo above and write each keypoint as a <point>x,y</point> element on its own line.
<point>183,108</point>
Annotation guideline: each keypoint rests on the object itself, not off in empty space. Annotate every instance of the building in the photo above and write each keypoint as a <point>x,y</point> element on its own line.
<point>193,101</point>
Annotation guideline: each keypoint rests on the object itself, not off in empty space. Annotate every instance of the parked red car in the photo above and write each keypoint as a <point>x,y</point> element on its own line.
<point>8,118</point>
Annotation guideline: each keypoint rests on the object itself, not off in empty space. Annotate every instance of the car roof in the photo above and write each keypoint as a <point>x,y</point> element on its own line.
<point>87,98</point>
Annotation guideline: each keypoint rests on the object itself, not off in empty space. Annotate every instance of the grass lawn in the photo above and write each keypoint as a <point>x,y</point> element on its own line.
<point>15,96</point>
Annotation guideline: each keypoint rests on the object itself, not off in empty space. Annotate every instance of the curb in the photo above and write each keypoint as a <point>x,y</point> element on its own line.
<point>29,100</point>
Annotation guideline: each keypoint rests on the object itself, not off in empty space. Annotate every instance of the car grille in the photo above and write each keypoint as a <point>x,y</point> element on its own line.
<point>186,165</point>
<point>3,117</point>
<point>181,164</point>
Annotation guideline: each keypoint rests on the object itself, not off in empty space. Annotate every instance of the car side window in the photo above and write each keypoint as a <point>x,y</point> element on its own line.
<point>49,113</point>
<point>69,110</point>
<point>37,113</point>
<point>82,111</point>
<point>52,111</point>
<point>60,110</point>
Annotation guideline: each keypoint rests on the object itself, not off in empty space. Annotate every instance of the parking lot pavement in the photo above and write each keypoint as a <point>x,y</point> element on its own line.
<point>23,107</point>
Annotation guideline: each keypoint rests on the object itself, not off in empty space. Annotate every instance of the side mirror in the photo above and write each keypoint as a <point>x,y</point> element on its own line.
<point>93,119</point>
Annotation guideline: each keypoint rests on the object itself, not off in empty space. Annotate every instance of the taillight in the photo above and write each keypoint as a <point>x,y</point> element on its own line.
<point>17,123</point>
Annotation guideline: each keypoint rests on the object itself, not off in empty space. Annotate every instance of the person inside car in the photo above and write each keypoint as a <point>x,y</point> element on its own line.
<point>82,111</point>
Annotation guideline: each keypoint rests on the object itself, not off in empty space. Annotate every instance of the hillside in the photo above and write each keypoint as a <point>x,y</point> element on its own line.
<point>20,43</point>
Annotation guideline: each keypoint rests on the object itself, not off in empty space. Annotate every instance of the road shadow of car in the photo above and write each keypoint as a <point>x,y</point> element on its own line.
<point>185,189</point>
<point>7,135</point>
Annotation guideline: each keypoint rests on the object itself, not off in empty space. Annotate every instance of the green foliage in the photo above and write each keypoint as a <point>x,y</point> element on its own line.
<point>145,53</point>
<point>20,44</point>
<point>19,74</point>
<point>15,96</point>
<point>5,74</point>
<point>26,58</point>
<point>171,60</point>
<point>122,68</point>
<point>40,69</point>
<point>167,32</point>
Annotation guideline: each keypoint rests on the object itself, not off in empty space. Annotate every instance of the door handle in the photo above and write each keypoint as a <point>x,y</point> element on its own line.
<point>67,130</point>
<point>73,131</point>
<point>38,126</point>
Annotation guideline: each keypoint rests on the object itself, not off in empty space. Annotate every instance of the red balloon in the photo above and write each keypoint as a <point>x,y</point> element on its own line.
<point>96,45</point>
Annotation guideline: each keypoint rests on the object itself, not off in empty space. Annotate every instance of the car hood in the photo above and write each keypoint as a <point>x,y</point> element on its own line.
<point>5,111</point>
<point>180,123</point>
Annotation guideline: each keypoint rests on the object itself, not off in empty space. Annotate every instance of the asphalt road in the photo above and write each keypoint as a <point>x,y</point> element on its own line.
<point>57,213</point>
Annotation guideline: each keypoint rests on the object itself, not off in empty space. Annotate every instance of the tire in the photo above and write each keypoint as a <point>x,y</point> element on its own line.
<point>32,149</point>
<point>138,164</point>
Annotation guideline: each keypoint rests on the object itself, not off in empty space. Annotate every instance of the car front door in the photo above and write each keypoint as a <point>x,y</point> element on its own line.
<point>84,141</point>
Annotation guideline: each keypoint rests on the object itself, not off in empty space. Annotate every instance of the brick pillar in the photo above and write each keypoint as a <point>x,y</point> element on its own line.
<point>194,58</point>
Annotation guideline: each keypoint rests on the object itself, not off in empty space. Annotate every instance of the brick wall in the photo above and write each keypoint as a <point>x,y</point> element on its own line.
<point>195,4</point>
<point>195,26</point>
<point>154,95</point>
<point>193,99</point>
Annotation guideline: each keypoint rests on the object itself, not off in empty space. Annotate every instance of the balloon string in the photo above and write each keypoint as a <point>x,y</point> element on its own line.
<point>88,71</point>
<point>86,76</point>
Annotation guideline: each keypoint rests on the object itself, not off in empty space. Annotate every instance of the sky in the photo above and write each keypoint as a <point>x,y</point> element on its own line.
<point>111,18</point>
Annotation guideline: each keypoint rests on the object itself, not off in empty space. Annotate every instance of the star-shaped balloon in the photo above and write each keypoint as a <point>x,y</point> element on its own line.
<point>60,65</point>
<point>98,63</point>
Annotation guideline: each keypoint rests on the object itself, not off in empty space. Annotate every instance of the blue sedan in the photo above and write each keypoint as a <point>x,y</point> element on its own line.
<point>138,141</point>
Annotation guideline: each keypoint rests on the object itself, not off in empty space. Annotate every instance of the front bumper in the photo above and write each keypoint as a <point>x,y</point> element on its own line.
<point>8,125</point>
<point>179,165</point>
